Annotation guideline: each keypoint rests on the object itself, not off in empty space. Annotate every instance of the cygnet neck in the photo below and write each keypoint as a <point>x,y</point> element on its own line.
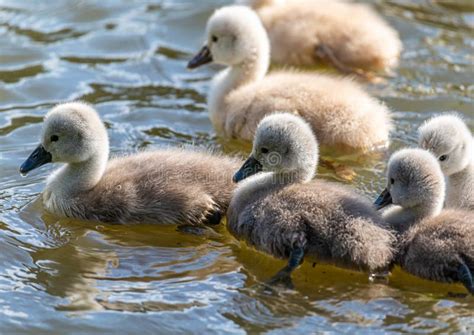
<point>467,170</point>
<point>298,176</point>
<point>253,68</point>
<point>425,210</point>
<point>80,177</point>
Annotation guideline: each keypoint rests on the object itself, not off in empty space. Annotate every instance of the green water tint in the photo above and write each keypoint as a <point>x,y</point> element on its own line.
<point>129,59</point>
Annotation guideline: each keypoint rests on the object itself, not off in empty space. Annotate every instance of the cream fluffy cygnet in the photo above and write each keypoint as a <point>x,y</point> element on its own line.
<point>162,186</point>
<point>433,244</point>
<point>339,110</point>
<point>450,140</point>
<point>349,36</point>
<point>282,212</point>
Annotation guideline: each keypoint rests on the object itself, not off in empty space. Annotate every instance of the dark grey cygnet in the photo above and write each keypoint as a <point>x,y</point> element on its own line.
<point>282,212</point>
<point>434,244</point>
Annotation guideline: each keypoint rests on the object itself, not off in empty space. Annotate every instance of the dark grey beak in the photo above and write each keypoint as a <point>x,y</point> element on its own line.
<point>384,199</point>
<point>37,158</point>
<point>204,56</point>
<point>250,167</point>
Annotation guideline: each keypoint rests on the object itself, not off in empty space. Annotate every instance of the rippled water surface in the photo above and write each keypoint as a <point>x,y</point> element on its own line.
<point>128,59</point>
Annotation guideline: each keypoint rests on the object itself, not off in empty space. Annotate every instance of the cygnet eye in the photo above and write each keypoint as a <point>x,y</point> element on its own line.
<point>54,138</point>
<point>214,38</point>
<point>392,181</point>
<point>264,151</point>
<point>442,158</point>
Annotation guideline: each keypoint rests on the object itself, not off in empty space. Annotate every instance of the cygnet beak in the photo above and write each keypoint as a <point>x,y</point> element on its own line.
<point>37,158</point>
<point>250,167</point>
<point>384,199</point>
<point>204,56</point>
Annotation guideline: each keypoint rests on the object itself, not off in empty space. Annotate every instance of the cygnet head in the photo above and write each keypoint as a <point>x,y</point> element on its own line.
<point>235,36</point>
<point>72,133</point>
<point>284,144</point>
<point>450,140</point>
<point>414,180</point>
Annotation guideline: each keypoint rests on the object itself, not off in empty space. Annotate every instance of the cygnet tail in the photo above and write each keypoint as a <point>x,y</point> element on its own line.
<point>372,246</point>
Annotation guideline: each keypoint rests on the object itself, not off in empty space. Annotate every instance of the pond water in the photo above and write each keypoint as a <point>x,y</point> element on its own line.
<point>128,58</point>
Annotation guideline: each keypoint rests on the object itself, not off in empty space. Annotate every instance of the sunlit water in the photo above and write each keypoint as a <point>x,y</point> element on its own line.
<point>128,59</point>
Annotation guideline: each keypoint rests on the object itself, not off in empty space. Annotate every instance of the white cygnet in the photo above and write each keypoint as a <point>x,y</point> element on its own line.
<point>339,110</point>
<point>450,140</point>
<point>349,36</point>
